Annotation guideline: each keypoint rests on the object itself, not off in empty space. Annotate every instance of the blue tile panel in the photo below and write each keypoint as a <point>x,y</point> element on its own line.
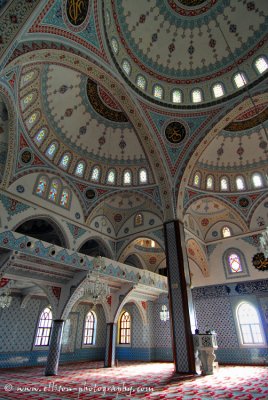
<point>34,358</point>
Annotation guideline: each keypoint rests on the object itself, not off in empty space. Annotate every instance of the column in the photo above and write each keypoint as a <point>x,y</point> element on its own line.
<point>54,348</point>
<point>179,297</point>
<point>110,345</point>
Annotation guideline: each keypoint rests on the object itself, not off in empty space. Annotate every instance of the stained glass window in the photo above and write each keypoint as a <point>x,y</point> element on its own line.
<point>115,45</point>
<point>40,136</point>
<point>176,96</point>
<point>240,183</point>
<point>226,232</point>
<point>158,92</point>
<point>32,118</point>
<point>65,198</point>
<point>234,263</point>
<point>257,180</point>
<point>111,177</point>
<point>127,178</point>
<point>51,150</point>
<point>28,77</point>
<point>80,168</point>
<point>138,219</point>
<point>95,175</point>
<point>65,160</point>
<point>125,328</point>
<point>218,90</point>
<point>27,99</point>
<point>41,188</point>
<point>44,328</point>
<point>196,96</point>
<point>143,177</point>
<point>224,183</point>
<point>249,324</point>
<point>126,67</point>
<point>210,182</point>
<point>54,190</point>
<point>197,180</point>
<point>89,328</point>
<point>261,64</point>
<point>240,80</point>
<point>141,82</point>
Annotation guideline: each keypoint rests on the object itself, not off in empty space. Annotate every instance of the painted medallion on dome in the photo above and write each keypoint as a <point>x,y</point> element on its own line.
<point>77,11</point>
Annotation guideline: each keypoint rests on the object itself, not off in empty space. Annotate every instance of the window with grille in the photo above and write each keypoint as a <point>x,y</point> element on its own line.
<point>125,328</point>
<point>249,324</point>
<point>44,328</point>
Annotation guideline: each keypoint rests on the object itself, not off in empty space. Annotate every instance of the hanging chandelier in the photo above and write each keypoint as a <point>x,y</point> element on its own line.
<point>5,299</point>
<point>97,290</point>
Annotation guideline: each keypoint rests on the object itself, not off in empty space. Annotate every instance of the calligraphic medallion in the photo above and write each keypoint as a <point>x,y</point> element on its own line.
<point>77,13</point>
<point>175,132</point>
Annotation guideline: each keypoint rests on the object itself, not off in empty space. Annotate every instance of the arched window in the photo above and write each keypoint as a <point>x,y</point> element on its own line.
<point>28,77</point>
<point>138,220</point>
<point>257,180</point>
<point>261,64</point>
<point>33,119</point>
<point>125,328</point>
<point>240,183</point>
<point>141,82</point>
<point>218,90</point>
<point>27,99</point>
<point>126,67</point>
<point>240,80</point>
<point>197,96</point>
<point>52,150</point>
<point>176,96</point>
<point>80,169</point>
<point>40,136</point>
<point>65,160</point>
<point>224,183</point>
<point>226,232</point>
<point>158,92</point>
<point>143,176</point>
<point>89,328</point>
<point>210,182</point>
<point>42,185</point>
<point>249,324</point>
<point>54,190</point>
<point>234,263</point>
<point>127,178</point>
<point>115,45</point>
<point>44,328</point>
<point>111,176</point>
<point>95,175</point>
<point>197,179</point>
<point>65,198</point>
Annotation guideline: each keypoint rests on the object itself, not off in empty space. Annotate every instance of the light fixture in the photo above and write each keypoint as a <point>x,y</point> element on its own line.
<point>97,290</point>
<point>5,299</point>
<point>164,314</point>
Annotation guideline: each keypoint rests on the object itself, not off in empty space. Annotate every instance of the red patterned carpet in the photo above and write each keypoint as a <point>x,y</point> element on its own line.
<point>133,381</point>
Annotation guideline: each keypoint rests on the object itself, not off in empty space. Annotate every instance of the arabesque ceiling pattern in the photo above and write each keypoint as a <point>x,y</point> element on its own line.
<point>92,108</point>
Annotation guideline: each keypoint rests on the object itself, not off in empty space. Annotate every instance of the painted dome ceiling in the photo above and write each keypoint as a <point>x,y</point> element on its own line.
<point>186,44</point>
<point>81,117</point>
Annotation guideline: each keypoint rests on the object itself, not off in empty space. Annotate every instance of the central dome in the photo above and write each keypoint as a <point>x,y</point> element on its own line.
<point>184,44</point>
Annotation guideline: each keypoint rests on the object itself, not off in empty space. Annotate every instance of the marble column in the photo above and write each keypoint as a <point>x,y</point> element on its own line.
<point>110,345</point>
<point>54,348</point>
<point>179,298</point>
